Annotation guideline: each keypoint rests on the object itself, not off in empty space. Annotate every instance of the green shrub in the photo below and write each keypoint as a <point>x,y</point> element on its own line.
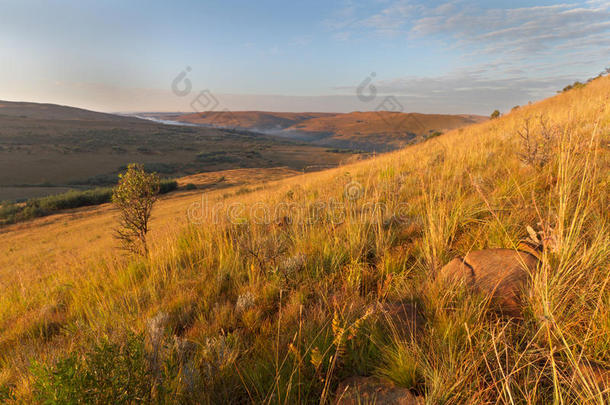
<point>6,394</point>
<point>135,196</point>
<point>433,134</point>
<point>42,206</point>
<point>575,85</point>
<point>167,185</point>
<point>110,373</point>
<point>8,212</point>
<point>74,199</point>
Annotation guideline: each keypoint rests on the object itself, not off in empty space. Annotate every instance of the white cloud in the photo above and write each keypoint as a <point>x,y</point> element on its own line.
<point>525,30</point>
<point>477,89</point>
<point>530,52</point>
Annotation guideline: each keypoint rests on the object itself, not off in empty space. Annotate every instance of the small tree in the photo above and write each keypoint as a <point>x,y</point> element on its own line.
<point>537,147</point>
<point>495,114</point>
<point>135,196</point>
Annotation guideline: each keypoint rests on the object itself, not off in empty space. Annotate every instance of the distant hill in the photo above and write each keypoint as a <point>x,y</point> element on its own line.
<point>38,111</point>
<point>48,149</point>
<point>381,128</point>
<point>253,120</point>
<point>377,130</point>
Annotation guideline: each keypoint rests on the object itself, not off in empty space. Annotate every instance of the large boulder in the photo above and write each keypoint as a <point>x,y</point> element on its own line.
<point>501,274</point>
<point>370,390</point>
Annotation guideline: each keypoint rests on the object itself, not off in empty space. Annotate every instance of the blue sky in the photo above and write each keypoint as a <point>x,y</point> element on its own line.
<point>439,56</point>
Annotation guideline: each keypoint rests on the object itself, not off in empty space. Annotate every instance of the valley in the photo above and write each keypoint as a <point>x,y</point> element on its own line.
<point>46,149</point>
<point>379,131</point>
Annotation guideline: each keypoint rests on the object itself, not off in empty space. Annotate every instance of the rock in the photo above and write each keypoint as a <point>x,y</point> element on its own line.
<point>370,390</point>
<point>499,273</point>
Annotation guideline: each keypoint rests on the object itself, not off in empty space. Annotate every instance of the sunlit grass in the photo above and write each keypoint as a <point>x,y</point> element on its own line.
<point>281,311</point>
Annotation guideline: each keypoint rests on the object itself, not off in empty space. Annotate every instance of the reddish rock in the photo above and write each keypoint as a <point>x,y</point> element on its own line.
<point>500,273</point>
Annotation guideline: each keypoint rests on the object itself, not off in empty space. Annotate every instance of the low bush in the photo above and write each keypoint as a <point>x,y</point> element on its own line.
<point>73,199</point>
<point>167,186</point>
<point>39,207</point>
<point>107,373</point>
<point>575,85</point>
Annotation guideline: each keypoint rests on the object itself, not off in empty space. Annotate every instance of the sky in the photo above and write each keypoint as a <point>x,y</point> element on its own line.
<point>335,56</point>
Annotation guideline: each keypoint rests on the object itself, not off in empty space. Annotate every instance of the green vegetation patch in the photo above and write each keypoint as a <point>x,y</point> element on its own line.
<point>39,207</point>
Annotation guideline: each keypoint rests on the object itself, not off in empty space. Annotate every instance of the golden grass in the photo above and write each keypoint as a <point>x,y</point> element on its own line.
<point>280,311</point>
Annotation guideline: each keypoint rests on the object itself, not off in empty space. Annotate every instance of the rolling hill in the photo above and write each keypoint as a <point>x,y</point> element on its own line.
<point>296,285</point>
<point>261,121</point>
<point>54,112</point>
<point>372,131</point>
<point>381,129</point>
<point>46,149</point>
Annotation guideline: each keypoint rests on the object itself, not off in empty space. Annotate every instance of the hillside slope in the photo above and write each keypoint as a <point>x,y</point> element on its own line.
<point>276,295</point>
